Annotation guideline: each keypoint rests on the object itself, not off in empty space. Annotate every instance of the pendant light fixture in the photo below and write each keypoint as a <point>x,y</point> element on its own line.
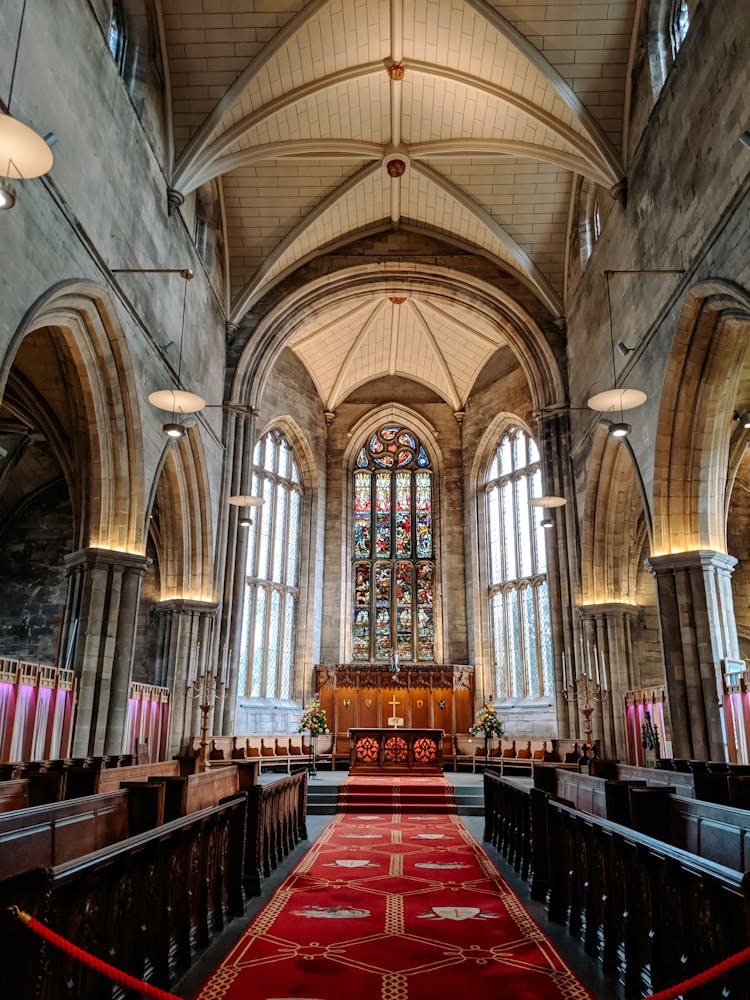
<point>23,152</point>
<point>246,504</point>
<point>616,399</point>
<point>548,502</point>
<point>176,401</point>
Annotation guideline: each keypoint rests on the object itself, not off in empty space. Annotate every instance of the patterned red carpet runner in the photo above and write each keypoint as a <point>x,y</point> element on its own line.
<point>393,907</point>
<point>396,795</point>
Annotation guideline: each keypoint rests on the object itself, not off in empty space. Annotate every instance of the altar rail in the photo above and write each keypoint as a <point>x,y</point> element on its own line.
<point>272,751</point>
<point>652,913</point>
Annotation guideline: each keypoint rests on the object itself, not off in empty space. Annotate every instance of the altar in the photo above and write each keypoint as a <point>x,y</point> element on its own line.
<point>396,751</point>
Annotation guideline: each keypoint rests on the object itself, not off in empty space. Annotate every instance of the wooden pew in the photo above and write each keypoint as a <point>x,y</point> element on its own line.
<point>14,794</point>
<point>639,905</point>
<point>109,779</point>
<point>277,822</point>
<point>149,905</point>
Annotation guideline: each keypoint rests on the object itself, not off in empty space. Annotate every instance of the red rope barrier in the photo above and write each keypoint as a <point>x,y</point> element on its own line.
<point>704,978</point>
<point>116,975</point>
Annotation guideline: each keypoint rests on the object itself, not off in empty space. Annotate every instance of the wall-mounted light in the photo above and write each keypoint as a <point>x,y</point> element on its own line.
<point>173,430</point>
<point>744,419</point>
<point>245,503</point>
<point>547,522</point>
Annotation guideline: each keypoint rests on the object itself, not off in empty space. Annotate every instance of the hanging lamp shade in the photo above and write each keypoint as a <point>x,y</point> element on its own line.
<point>547,501</point>
<point>23,152</point>
<point>177,401</point>
<point>246,501</point>
<point>617,399</point>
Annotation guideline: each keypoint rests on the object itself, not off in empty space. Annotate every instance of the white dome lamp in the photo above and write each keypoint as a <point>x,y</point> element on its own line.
<point>246,504</point>
<point>548,502</point>
<point>23,152</point>
<point>616,399</point>
<point>176,401</point>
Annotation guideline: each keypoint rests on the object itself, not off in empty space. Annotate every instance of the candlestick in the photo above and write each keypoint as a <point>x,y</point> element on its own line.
<point>564,671</point>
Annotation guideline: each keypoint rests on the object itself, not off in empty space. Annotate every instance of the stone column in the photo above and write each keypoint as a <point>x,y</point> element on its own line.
<point>609,627</point>
<point>186,652</point>
<point>563,554</point>
<point>698,630</point>
<point>240,436</point>
<point>101,613</point>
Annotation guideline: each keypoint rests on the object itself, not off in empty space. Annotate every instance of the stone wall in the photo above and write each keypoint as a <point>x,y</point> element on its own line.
<point>32,576</point>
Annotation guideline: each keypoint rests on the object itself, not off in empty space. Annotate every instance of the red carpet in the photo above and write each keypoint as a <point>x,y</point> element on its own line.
<point>396,795</point>
<point>393,908</point>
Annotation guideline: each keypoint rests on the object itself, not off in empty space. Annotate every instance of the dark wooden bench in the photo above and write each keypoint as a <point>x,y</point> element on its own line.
<point>14,794</point>
<point>148,904</point>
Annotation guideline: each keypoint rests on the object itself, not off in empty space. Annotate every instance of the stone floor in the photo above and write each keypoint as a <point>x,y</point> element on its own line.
<point>326,782</point>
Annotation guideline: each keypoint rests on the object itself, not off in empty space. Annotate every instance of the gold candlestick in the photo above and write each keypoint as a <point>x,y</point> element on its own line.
<point>205,687</point>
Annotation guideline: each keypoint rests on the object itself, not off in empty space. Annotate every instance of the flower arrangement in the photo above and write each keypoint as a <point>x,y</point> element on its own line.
<point>313,719</point>
<point>487,722</point>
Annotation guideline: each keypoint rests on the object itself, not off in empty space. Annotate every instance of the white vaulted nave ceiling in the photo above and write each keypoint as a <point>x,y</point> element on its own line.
<point>297,110</point>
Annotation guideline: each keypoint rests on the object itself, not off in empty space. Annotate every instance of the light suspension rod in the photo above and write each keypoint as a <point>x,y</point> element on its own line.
<point>185,272</point>
<point>646,270</point>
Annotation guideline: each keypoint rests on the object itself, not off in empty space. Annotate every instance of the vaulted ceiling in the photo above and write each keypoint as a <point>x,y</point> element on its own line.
<point>332,118</point>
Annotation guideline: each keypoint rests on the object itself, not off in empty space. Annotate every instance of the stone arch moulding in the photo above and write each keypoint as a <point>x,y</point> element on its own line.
<point>288,426</point>
<point>186,541</point>
<point>707,376</point>
<point>524,336</point>
<point>615,517</point>
<point>83,322</point>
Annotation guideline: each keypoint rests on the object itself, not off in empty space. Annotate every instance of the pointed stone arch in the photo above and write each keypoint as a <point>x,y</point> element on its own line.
<point>535,356</point>
<point>707,378</point>
<point>107,472</point>
<point>616,523</point>
<point>185,539</point>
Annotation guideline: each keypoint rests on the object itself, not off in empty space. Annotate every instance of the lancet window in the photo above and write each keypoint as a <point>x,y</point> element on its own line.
<point>518,589</point>
<point>271,593</point>
<point>393,561</point>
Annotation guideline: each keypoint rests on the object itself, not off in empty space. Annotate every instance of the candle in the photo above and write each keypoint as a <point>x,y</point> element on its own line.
<point>564,671</point>
<point>596,663</point>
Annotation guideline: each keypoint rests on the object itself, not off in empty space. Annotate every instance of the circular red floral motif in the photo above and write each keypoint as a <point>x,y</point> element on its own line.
<point>425,750</point>
<point>367,749</point>
<point>395,749</point>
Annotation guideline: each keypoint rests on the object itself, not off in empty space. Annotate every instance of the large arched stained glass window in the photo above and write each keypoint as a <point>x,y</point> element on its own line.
<point>393,549</point>
<point>518,591</point>
<point>272,573</point>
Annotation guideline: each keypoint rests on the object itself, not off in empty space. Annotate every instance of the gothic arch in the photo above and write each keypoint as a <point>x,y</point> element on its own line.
<point>707,379</point>
<point>525,337</point>
<point>616,524</point>
<point>184,539</point>
<point>107,477</point>
<point>477,562</point>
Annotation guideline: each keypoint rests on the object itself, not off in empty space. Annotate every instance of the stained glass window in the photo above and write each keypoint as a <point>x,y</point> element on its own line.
<point>393,549</point>
<point>517,564</point>
<point>272,572</point>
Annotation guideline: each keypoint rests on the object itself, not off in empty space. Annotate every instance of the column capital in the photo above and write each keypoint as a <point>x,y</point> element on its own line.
<point>96,558</point>
<point>185,606</point>
<point>609,610</point>
<point>699,559</point>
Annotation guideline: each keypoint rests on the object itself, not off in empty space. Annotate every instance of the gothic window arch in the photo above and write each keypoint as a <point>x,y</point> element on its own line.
<point>669,24</point>
<point>393,557</point>
<point>518,591</point>
<point>271,597</point>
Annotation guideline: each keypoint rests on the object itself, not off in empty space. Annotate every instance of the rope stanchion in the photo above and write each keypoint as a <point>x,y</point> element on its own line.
<point>704,978</point>
<point>116,975</point>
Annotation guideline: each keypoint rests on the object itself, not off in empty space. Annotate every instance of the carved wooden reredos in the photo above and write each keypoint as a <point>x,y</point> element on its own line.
<point>437,696</point>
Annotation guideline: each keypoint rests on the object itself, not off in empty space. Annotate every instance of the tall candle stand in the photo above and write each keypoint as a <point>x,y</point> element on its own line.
<point>205,687</point>
<point>586,690</point>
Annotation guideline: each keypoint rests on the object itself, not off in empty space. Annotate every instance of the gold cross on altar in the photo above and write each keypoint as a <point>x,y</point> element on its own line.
<point>393,703</point>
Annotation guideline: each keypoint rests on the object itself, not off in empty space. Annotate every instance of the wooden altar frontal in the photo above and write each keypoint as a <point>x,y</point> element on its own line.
<point>396,751</point>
